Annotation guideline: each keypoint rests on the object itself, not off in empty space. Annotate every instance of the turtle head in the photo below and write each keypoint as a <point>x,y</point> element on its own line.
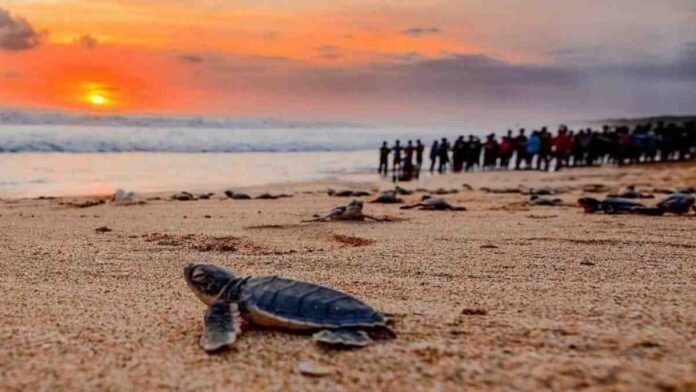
<point>589,204</point>
<point>356,203</point>
<point>207,281</point>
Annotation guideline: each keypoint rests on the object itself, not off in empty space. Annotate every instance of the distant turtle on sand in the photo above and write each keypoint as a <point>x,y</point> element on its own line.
<point>348,193</point>
<point>341,193</point>
<point>617,206</point>
<point>388,197</point>
<point>443,191</point>
<point>269,196</point>
<point>337,319</point>
<point>544,201</point>
<point>401,191</point>
<point>543,191</point>
<point>433,204</point>
<point>352,211</point>
<point>630,192</point>
<point>183,196</point>
<point>237,195</point>
<point>677,203</point>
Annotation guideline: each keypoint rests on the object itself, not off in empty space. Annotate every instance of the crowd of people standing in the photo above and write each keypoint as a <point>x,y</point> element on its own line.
<point>542,150</point>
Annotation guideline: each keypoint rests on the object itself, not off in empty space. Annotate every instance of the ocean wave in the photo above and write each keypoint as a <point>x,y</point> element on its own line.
<point>27,117</point>
<point>84,139</point>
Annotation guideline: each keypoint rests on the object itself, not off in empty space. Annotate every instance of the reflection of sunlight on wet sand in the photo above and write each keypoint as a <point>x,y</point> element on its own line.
<point>50,174</point>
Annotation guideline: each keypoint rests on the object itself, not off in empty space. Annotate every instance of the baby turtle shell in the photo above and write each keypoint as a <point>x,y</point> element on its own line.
<point>277,302</point>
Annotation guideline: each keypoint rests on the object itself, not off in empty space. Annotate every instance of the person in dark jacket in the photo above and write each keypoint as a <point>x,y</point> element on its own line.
<point>434,152</point>
<point>384,152</point>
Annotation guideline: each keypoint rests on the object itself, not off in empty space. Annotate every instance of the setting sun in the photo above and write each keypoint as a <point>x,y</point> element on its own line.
<point>97,94</point>
<point>97,99</point>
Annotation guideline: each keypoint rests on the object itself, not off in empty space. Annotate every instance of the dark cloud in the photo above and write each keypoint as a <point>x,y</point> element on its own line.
<point>87,41</point>
<point>16,33</point>
<point>328,52</point>
<point>191,58</point>
<point>421,31</point>
<point>681,69</point>
<point>473,86</point>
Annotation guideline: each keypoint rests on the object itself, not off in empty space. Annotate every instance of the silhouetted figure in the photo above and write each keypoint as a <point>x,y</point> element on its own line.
<point>490,152</point>
<point>434,152</point>
<point>545,151</point>
<point>507,148</point>
<point>562,147</point>
<point>458,155</point>
<point>419,156</point>
<point>443,155</point>
<point>520,150</point>
<point>384,152</point>
<point>473,155</point>
<point>397,157</point>
<point>407,163</point>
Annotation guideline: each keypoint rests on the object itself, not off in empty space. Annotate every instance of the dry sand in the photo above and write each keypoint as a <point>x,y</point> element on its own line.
<point>501,297</point>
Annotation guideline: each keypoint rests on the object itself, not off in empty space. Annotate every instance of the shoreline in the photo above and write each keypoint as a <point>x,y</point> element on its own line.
<point>368,179</point>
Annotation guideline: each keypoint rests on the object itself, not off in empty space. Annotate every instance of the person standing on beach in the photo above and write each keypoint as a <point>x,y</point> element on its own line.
<point>506,149</point>
<point>546,149</point>
<point>397,157</point>
<point>457,152</point>
<point>384,152</point>
<point>490,152</point>
<point>407,167</point>
<point>532,148</point>
<point>443,155</point>
<point>520,154</point>
<point>419,155</point>
<point>434,151</point>
<point>473,156</point>
<point>562,145</point>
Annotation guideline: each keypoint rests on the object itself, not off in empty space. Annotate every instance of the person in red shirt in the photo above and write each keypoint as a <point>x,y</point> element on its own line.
<point>505,150</point>
<point>563,146</point>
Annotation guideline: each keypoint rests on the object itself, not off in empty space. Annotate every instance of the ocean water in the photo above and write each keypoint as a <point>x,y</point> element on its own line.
<point>259,137</point>
<point>82,159</point>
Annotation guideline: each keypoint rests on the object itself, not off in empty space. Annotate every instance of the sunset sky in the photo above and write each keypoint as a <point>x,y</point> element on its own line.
<point>419,60</point>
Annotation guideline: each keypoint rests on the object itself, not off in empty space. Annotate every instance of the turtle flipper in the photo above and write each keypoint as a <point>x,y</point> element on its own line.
<point>374,218</point>
<point>343,337</point>
<point>221,326</point>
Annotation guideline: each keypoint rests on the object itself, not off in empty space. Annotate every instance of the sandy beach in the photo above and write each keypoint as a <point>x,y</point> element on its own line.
<point>504,296</point>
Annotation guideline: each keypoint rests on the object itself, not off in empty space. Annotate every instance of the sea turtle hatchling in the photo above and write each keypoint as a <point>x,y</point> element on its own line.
<point>544,201</point>
<point>352,211</point>
<point>336,318</point>
<point>677,203</point>
<point>388,197</point>
<point>617,206</point>
<point>433,204</point>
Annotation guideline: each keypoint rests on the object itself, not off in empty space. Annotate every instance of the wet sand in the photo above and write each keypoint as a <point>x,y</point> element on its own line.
<point>503,296</point>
